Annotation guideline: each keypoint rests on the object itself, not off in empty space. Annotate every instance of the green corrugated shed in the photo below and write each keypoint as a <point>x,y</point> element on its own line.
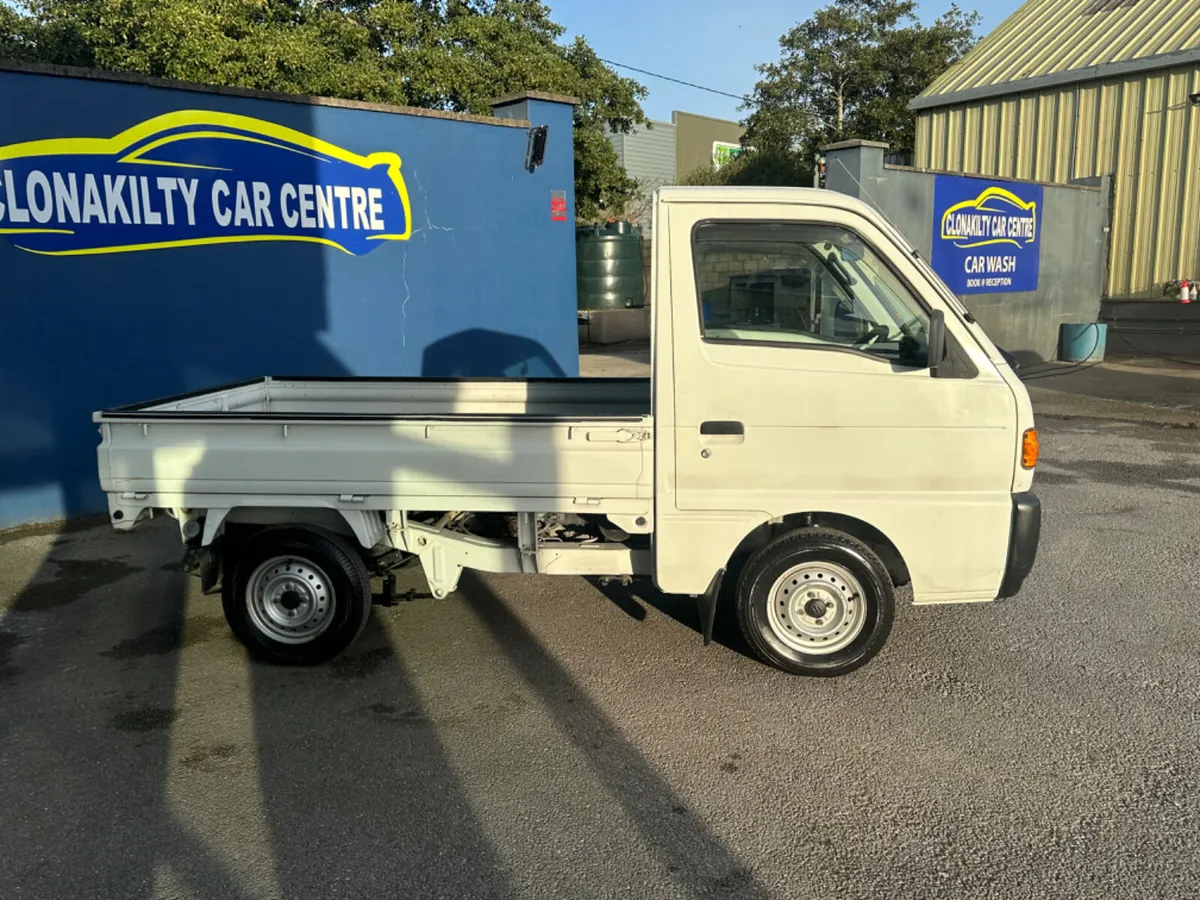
<point>1072,39</point>
<point>1066,90</point>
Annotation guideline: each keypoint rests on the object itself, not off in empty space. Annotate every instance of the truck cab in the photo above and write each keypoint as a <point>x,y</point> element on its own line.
<point>801,393</point>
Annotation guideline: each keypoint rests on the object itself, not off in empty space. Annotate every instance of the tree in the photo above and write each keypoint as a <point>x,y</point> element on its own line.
<point>850,71</point>
<point>453,55</point>
<point>769,166</point>
<point>16,35</point>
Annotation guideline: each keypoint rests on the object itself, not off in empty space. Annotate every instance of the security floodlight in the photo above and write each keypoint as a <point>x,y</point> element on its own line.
<point>535,154</point>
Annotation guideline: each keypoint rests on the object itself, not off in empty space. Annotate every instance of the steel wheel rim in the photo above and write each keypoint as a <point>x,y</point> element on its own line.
<point>290,600</point>
<point>817,608</point>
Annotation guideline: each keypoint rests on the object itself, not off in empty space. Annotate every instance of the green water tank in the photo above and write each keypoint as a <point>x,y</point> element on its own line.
<point>608,266</point>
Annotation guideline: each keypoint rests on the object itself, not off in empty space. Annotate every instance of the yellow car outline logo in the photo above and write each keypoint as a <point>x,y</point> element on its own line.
<point>995,201</point>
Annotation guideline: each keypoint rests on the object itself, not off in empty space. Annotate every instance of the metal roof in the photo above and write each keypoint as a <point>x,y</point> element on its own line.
<point>1051,42</point>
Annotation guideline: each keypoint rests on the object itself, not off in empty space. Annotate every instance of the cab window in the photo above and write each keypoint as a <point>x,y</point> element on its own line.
<point>806,285</point>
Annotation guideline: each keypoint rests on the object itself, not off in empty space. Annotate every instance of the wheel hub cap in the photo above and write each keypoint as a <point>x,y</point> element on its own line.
<point>817,608</point>
<point>290,600</point>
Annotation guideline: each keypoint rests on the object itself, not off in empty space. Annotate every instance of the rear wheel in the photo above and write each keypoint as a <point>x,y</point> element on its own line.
<point>297,597</point>
<point>815,602</point>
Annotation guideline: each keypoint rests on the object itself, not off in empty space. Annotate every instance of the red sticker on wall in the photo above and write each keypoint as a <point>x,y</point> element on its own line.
<point>558,206</point>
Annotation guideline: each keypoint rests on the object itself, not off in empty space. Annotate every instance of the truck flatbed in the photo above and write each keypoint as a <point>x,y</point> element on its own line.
<point>469,445</point>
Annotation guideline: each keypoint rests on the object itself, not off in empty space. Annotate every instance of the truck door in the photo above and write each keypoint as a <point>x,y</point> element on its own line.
<point>796,337</point>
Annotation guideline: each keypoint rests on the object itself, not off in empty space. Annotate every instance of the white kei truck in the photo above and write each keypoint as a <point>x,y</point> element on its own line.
<point>823,422</point>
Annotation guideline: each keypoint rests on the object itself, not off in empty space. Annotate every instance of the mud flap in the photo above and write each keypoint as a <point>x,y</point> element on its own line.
<point>206,563</point>
<point>708,606</point>
<point>210,570</point>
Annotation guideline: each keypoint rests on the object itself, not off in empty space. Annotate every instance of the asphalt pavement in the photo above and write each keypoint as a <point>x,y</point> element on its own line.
<point>1147,389</point>
<point>549,738</point>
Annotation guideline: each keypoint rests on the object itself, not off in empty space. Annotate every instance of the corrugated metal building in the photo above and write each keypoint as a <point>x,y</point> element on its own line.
<point>661,153</point>
<point>647,154</point>
<point>1070,90</point>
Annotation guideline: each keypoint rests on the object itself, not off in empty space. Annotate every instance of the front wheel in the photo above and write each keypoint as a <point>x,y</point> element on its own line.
<point>297,597</point>
<point>815,602</point>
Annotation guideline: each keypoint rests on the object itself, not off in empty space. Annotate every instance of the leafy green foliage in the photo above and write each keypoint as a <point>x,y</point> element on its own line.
<point>770,166</point>
<point>850,71</point>
<point>16,35</point>
<point>452,55</point>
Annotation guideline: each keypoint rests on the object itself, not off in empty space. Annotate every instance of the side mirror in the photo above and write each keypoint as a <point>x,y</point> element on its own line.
<point>937,342</point>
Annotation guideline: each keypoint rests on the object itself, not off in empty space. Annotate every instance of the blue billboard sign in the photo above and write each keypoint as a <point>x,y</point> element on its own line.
<point>986,234</point>
<point>195,178</point>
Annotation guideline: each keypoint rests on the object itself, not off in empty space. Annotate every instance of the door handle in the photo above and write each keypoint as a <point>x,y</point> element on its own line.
<point>713,433</point>
<point>727,429</point>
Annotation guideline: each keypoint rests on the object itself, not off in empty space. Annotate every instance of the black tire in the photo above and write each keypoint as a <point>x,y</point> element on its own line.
<point>337,608</point>
<point>814,547</point>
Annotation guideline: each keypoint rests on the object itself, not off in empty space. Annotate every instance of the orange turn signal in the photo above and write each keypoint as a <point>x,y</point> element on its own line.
<point>1029,449</point>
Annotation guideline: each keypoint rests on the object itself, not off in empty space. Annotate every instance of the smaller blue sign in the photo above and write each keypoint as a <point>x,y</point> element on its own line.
<point>986,234</point>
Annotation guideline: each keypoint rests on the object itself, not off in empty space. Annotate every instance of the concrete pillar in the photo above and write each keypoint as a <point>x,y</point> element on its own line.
<point>554,180</point>
<point>854,167</point>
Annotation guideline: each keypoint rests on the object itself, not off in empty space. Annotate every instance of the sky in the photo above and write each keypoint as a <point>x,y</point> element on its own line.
<point>715,43</point>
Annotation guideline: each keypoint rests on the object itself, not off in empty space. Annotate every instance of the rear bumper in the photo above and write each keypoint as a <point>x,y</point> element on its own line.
<point>1022,543</point>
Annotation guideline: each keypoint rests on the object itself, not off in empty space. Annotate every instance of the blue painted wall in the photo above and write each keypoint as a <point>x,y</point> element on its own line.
<point>484,285</point>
